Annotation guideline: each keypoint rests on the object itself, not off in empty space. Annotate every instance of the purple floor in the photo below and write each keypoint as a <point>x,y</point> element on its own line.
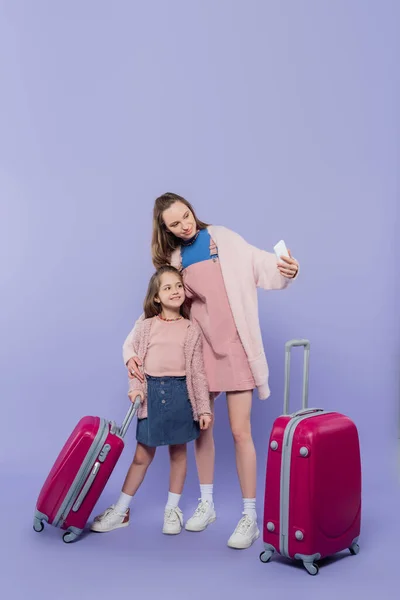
<point>141,561</point>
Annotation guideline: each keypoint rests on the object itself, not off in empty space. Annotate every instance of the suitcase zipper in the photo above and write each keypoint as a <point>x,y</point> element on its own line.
<point>285,478</point>
<point>86,487</point>
<point>82,474</point>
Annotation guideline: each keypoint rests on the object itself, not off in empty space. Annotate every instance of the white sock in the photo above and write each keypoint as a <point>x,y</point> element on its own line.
<point>173,500</point>
<point>123,503</point>
<point>249,507</point>
<point>206,490</point>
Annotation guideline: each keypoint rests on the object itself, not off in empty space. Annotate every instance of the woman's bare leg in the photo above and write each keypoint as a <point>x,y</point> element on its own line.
<point>239,411</point>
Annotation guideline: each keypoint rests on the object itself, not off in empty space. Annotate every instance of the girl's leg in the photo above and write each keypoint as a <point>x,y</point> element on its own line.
<point>173,518</point>
<point>239,410</point>
<point>178,462</point>
<point>205,460</point>
<point>141,461</point>
<point>117,515</point>
<point>205,455</point>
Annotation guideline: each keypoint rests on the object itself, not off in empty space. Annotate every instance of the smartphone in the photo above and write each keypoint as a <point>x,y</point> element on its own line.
<point>281,250</point>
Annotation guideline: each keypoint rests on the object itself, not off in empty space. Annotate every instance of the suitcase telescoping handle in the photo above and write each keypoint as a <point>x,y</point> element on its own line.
<point>129,416</point>
<point>288,349</point>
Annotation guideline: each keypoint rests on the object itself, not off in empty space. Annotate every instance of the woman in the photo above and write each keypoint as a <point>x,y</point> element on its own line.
<point>221,273</point>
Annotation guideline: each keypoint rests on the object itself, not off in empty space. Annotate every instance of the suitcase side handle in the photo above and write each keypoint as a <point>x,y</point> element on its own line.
<point>307,411</point>
<point>288,348</point>
<point>129,416</point>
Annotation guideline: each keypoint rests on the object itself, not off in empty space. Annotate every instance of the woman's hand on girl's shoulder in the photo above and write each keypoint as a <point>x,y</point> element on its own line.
<point>133,365</point>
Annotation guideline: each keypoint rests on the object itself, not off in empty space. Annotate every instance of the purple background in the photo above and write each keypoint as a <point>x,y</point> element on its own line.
<point>278,120</point>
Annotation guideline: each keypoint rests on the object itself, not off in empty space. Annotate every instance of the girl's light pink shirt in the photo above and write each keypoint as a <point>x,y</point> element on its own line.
<point>166,351</point>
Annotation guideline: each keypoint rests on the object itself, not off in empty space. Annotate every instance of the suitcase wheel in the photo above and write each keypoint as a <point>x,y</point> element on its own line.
<point>265,556</point>
<point>354,549</point>
<point>38,519</point>
<point>69,536</point>
<point>38,526</point>
<point>312,568</point>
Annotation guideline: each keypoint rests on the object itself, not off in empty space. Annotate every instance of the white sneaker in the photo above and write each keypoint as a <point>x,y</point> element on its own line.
<point>173,521</point>
<point>245,533</point>
<point>110,519</point>
<point>203,516</point>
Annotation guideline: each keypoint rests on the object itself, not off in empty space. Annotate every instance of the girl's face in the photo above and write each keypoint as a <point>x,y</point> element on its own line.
<point>180,221</point>
<point>171,293</point>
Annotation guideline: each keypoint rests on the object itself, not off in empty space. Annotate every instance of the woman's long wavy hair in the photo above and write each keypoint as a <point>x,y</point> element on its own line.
<point>163,241</point>
<point>153,308</point>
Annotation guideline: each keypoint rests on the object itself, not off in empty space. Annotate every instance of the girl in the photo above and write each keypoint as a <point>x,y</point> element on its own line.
<point>221,273</point>
<point>175,399</point>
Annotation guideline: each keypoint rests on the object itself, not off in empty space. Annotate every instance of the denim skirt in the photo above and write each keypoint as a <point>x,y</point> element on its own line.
<point>169,418</point>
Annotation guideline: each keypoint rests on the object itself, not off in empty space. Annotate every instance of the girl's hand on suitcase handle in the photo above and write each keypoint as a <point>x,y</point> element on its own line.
<point>134,394</point>
<point>133,365</point>
<point>205,421</point>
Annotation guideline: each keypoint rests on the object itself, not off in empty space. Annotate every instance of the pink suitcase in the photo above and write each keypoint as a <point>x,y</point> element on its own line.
<point>80,474</point>
<point>312,506</point>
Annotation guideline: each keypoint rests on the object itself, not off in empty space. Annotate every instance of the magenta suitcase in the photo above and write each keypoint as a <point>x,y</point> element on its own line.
<point>80,474</point>
<point>312,505</point>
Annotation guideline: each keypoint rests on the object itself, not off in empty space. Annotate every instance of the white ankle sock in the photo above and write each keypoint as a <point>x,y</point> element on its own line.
<point>249,507</point>
<point>206,490</point>
<point>123,503</point>
<point>173,500</point>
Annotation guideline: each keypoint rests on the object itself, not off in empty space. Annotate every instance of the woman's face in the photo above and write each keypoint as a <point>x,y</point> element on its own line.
<point>179,220</point>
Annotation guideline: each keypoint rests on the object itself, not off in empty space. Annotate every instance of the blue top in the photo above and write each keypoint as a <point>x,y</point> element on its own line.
<point>197,251</point>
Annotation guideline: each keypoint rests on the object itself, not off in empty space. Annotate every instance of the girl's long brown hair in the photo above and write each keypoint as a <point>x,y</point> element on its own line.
<point>163,241</point>
<point>153,308</point>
